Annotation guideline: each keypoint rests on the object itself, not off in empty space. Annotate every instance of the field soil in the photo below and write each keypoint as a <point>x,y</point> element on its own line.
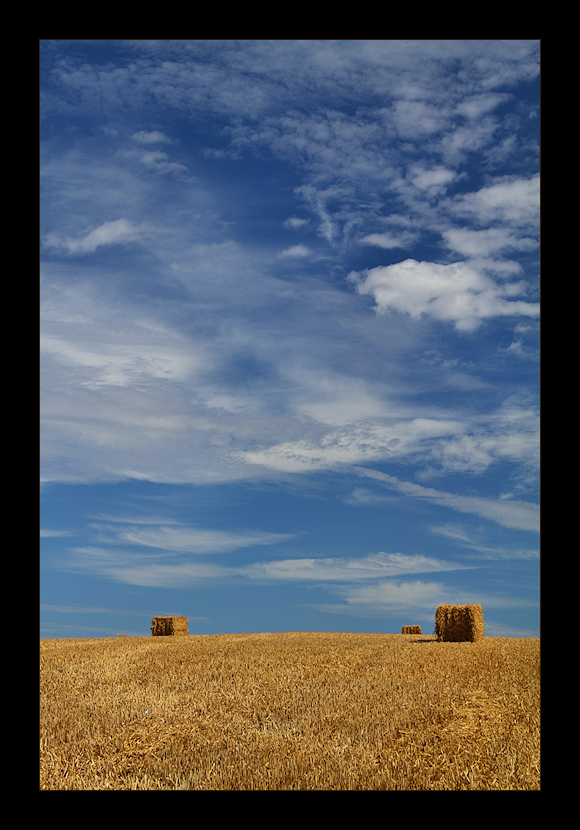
<point>289,711</point>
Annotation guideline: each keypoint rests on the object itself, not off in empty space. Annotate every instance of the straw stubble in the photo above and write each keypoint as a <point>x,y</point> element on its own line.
<point>295,711</point>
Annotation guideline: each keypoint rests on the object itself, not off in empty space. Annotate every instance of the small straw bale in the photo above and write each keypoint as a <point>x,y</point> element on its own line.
<point>459,623</point>
<point>411,629</point>
<point>169,626</point>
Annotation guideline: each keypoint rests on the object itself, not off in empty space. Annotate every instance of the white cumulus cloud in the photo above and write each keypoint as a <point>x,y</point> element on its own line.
<point>454,292</point>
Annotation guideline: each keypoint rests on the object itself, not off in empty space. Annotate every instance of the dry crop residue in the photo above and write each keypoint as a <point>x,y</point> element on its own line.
<point>296,711</point>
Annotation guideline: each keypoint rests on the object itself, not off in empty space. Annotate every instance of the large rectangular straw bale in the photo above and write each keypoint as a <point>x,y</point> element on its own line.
<point>459,623</point>
<point>411,629</point>
<point>169,626</point>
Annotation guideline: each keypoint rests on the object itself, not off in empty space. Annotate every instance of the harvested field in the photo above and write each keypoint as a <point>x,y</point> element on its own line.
<point>291,711</point>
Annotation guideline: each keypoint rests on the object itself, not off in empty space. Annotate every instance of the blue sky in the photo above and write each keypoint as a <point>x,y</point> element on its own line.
<point>289,334</point>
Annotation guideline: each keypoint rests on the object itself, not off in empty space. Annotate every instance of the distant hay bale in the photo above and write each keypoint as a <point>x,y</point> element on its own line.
<point>169,627</point>
<point>459,623</point>
<point>411,629</point>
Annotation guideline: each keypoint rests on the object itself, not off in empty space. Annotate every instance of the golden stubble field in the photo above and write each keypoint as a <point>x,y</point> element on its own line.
<point>290,711</point>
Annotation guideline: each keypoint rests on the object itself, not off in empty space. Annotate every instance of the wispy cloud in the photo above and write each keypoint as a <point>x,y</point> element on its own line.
<point>161,568</point>
<point>473,541</point>
<point>519,515</point>
<point>438,444</point>
<point>115,232</point>
<point>73,609</point>
<point>53,534</point>
<point>138,569</point>
<point>418,598</point>
<point>378,565</point>
<point>336,448</point>
<point>188,539</point>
